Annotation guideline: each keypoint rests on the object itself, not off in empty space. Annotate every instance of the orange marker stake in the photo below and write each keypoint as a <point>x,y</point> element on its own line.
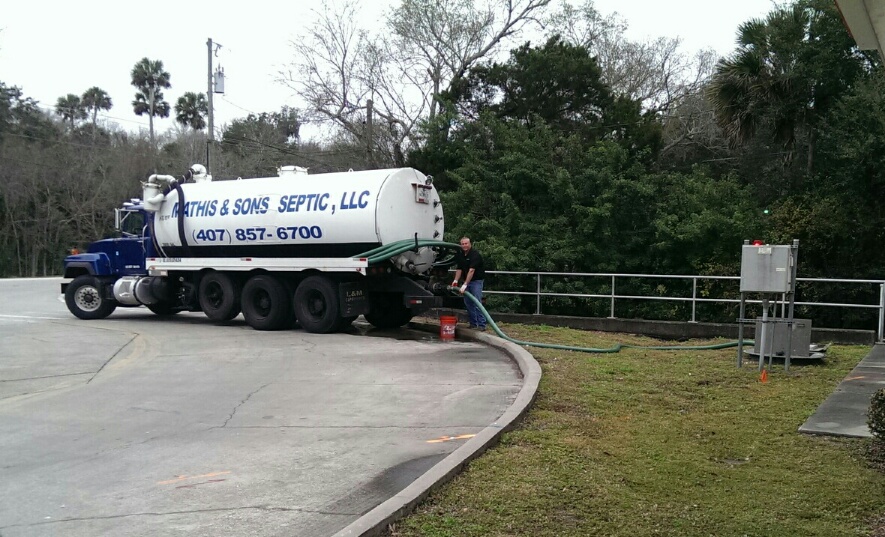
<point>763,378</point>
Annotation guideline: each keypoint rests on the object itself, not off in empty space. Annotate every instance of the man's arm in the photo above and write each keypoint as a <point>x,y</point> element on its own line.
<point>467,280</point>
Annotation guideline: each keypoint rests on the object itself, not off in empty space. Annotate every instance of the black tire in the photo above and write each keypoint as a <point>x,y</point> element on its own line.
<point>219,296</point>
<point>266,303</point>
<point>386,310</point>
<point>163,308</point>
<point>316,305</point>
<point>84,298</point>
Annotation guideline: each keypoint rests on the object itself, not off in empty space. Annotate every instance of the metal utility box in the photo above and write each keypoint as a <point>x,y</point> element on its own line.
<point>777,338</point>
<point>766,268</point>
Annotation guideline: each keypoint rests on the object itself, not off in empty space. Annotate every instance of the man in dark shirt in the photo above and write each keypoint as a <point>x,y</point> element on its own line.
<point>470,264</point>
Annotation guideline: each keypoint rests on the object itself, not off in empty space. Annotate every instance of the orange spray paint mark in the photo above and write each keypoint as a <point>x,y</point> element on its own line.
<point>450,438</point>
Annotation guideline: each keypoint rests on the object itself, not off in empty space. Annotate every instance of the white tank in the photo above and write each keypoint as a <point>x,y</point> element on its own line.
<point>300,215</point>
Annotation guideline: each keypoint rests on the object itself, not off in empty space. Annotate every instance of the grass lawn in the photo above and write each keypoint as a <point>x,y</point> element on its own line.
<point>662,443</point>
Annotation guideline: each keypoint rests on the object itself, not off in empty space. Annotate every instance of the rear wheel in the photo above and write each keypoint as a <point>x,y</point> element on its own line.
<point>266,303</point>
<point>219,296</point>
<point>83,297</point>
<point>386,310</point>
<point>316,305</point>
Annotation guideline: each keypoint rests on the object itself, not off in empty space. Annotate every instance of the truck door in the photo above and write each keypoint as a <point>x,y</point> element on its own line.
<point>129,250</point>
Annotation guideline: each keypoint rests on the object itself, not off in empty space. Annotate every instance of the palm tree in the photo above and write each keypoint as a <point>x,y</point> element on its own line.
<point>191,109</point>
<point>787,71</point>
<point>150,79</point>
<point>759,82</point>
<point>95,99</point>
<point>70,108</point>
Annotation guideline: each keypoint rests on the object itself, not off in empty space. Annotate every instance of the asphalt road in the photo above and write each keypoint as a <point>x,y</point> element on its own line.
<point>138,425</point>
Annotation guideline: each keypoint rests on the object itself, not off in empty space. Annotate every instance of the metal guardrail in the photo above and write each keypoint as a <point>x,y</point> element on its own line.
<point>694,299</point>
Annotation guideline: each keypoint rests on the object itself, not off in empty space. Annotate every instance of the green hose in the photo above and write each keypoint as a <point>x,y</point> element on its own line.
<point>616,348</point>
<point>387,251</point>
<point>383,253</point>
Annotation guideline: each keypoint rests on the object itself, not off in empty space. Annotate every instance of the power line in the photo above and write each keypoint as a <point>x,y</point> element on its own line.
<point>225,99</point>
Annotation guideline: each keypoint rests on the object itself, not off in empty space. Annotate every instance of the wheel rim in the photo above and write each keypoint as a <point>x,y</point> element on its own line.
<point>262,302</point>
<point>316,304</point>
<point>214,294</point>
<point>87,298</point>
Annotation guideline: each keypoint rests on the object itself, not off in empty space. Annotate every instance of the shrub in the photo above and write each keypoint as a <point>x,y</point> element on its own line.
<point>876,416</point>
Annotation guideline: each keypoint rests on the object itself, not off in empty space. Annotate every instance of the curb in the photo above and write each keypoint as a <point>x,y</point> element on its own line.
<point>375,521</point>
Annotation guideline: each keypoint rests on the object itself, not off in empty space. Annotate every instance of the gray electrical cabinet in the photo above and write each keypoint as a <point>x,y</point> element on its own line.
<point>778,338</point>
<point>766,269</point>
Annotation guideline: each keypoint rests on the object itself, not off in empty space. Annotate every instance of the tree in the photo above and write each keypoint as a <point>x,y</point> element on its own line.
<point>70,108</point>
<point>259,143</point>
<point>560,85</point>
<point>844,219</point>
<point>447,37</point>
<point>427,46</point>
<point>788,70</point>
<point>150,79</point>
<point>22,115</point>
<point>191,109</point>
<point>95,99</point>
<point>654,71</point>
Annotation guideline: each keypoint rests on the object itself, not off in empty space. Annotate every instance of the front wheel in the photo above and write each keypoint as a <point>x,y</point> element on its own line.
<point>84,298</point>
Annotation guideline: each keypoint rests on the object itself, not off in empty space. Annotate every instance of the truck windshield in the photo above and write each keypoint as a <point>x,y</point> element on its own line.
<point>131,223</point>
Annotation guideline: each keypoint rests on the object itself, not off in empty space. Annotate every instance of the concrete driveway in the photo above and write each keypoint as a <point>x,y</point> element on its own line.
<point>137,425</point>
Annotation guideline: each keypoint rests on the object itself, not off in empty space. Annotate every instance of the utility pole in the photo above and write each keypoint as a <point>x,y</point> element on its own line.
<point>209,91</point>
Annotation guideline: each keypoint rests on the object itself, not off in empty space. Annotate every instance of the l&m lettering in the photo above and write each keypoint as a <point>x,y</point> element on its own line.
<point>355,202</point>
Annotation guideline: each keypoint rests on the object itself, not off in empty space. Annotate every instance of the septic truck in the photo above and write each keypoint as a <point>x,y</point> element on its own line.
<point>313,249</point>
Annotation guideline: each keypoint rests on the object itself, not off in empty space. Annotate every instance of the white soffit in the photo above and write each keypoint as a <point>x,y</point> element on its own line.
<point>865,19</point>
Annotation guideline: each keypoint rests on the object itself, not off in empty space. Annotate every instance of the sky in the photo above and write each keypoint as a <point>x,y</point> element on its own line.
<point>49,48</point>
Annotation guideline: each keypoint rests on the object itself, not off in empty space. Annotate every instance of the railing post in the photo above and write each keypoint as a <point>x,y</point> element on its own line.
<point>538,295</point>
<point>694,296</point>
<point>882,312</point>
<point>612,313</point>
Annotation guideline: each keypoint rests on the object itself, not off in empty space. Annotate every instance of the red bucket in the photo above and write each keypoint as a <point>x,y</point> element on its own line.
<point>447,325</point>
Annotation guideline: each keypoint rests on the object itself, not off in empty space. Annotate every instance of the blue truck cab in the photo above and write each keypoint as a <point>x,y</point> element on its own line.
<point>90,293</point>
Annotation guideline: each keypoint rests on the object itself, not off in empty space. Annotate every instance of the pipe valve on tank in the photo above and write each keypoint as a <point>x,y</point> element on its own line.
<point>415,261</point>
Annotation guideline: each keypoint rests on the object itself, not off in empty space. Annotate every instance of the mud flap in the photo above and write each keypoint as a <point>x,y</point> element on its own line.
<point>353,298</point>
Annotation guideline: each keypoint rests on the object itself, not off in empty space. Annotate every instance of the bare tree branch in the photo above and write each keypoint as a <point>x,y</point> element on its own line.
<point>654,72</point>
<point>428,45</point>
